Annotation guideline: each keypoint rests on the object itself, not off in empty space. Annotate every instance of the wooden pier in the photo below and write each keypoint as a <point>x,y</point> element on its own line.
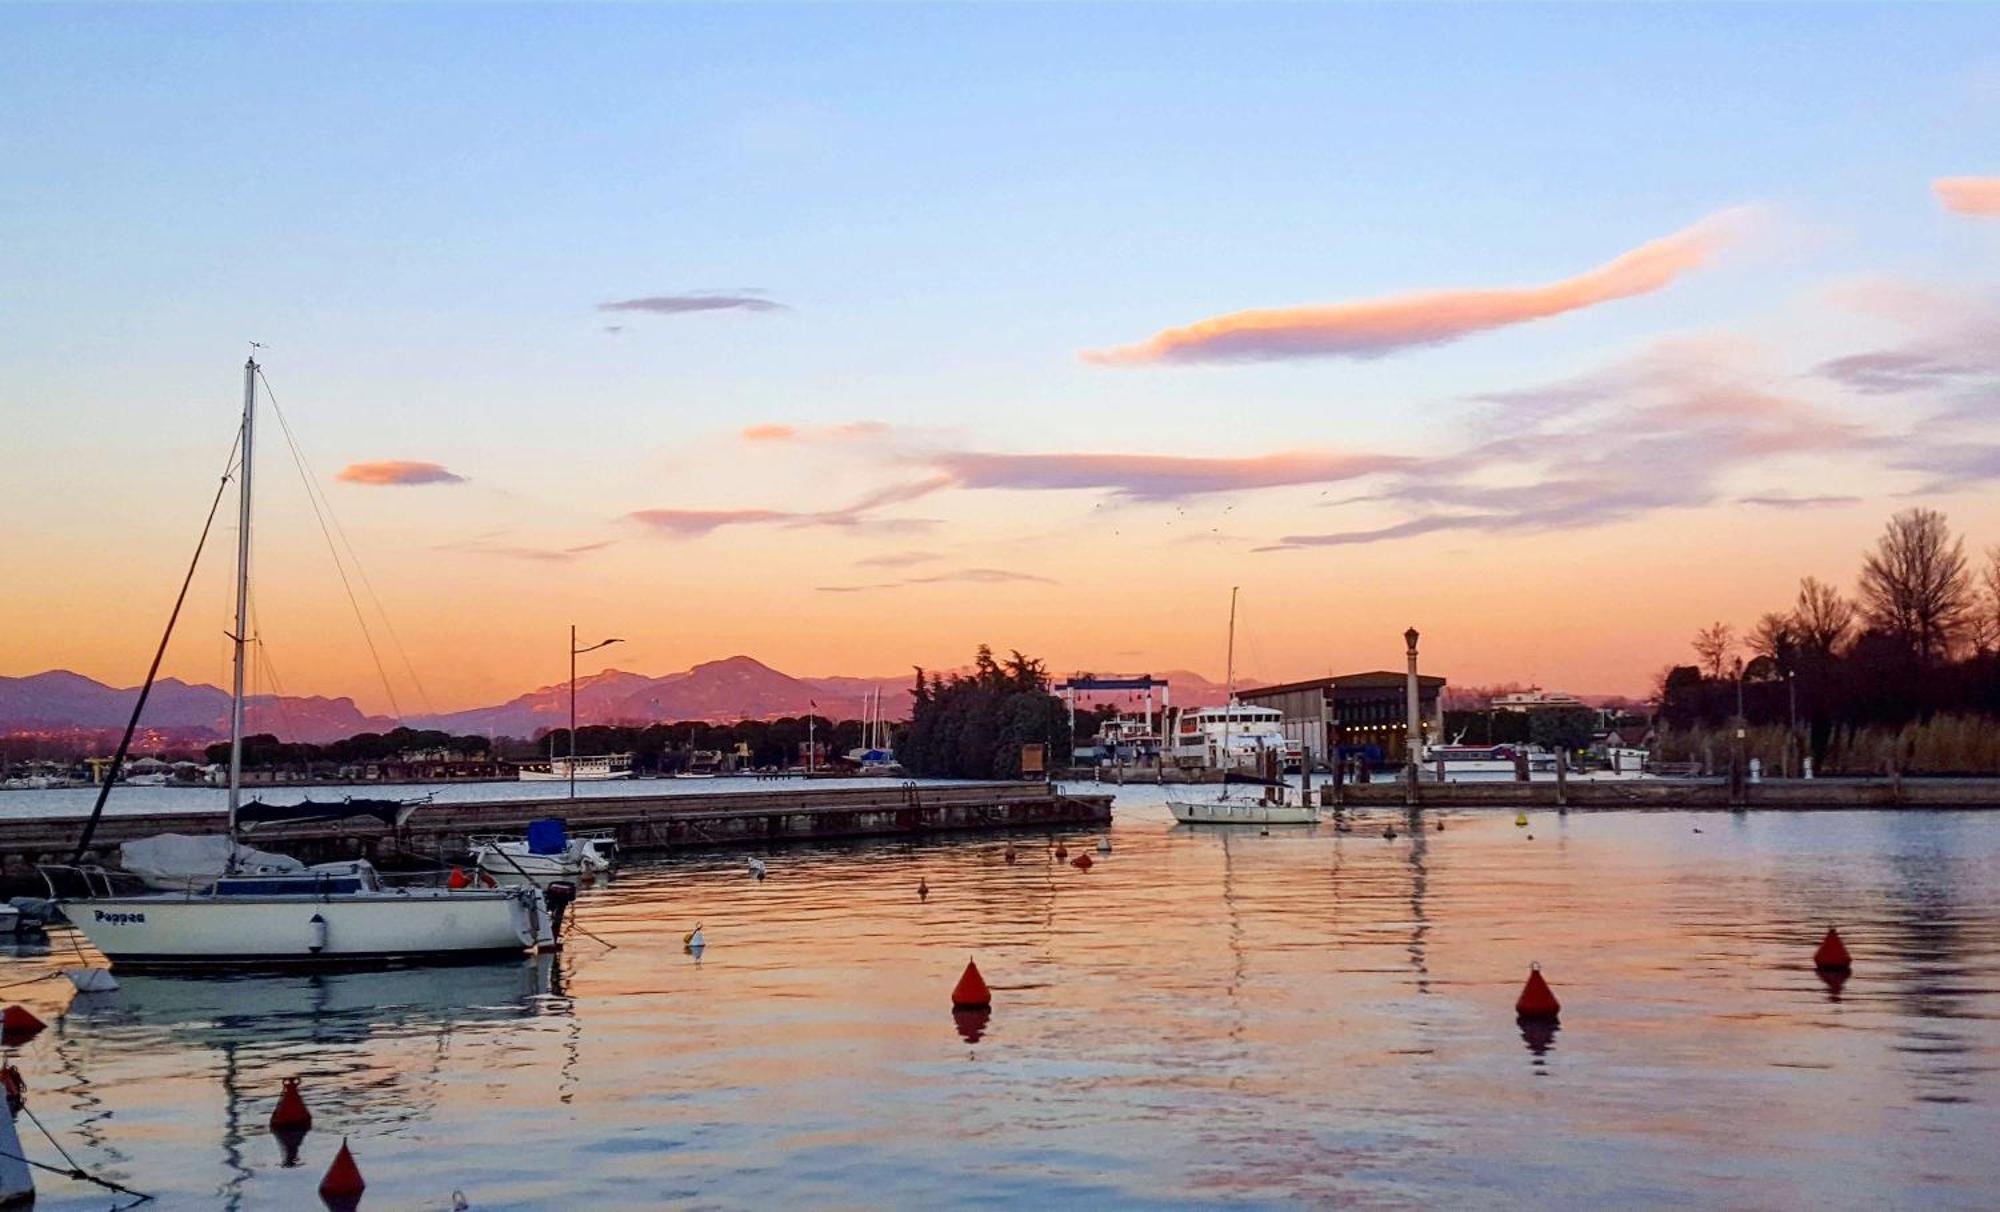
<point>642,823</point>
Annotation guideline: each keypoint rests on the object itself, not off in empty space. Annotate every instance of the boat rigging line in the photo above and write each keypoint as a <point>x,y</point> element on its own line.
<point>324,514</point>
<point>132,725</point>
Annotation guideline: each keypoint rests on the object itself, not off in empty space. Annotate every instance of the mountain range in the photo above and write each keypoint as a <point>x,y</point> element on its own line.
<point>735,688</point>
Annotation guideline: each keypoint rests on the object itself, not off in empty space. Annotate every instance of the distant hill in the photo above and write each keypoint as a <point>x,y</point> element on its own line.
<point>60,700</point>
<point>734,688</point>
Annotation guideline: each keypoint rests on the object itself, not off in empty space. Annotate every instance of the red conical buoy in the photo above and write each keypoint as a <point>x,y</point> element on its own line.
<point>971,992</point>
<point>18,1025</point>
<point>342,1186</point>
<point>1831,957</point>
<point>1537,1000</point>
<point>1081,862</point>
<point>1062,851</point>
<point>291,1114</point>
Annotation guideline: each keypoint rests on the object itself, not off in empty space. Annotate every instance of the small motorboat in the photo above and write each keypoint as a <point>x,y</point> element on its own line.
<point>545,854</point>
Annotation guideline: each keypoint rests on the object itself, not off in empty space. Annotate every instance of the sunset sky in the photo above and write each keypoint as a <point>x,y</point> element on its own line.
<point>850,338</point>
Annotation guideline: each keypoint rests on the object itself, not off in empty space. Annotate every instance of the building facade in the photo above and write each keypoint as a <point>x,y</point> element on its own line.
<point>1354,714</point>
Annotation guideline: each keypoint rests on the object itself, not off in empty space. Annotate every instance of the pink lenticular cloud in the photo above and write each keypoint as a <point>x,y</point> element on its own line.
<point>848,432</point>
<point>1374,328</point>
<point>397,472</point>
<point>769,433</point>
<point>1158,477</point>
<point>1978,196</point>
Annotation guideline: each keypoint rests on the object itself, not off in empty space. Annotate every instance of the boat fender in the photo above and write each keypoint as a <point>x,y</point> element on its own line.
<point>318,943</point>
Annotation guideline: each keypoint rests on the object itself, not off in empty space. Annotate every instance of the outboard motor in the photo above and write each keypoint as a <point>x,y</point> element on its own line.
<point>557,897</point>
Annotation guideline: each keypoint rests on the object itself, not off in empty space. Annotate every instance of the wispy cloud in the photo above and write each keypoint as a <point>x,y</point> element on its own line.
<point>847,432</point>
<point>1953,343</point>
<point>969,576</point>
<point>1374,328</point>
<point>1157,477</point>
<point>859,514</point>
<point>542,555</point>
<point>693,301</point>
<point>899,559</point>
<point>693,523</point>
<point>1820,502</point>
<point>397,472</point>
<point>1658,432</point>
<point>1977,196</point>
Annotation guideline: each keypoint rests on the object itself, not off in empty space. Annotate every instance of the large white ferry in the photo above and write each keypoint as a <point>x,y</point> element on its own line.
<point>1235,737</point>
<point>596,768</point>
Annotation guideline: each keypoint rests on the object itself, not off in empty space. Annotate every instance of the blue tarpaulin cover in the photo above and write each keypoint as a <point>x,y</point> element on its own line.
<point>546,837</point>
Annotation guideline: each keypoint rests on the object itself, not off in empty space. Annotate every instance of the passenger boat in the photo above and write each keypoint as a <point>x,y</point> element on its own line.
<point>1226,755</point>
<point>595,768</point>
<point>329,914</point>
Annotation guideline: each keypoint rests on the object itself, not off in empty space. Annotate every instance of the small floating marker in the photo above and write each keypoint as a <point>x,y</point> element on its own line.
<point>1537,1000</point>
<point>1062,851</point>
<point>18,1025</point>
<point>1081,862</point>
<point>971,992</point>
<point>1013,855</point>
<point>1440,824</point>
<point>342,1186</point>
<point>1831,957</point>
<point>692,942</point>
<point>756,869</point>
<point>291,1113</point>
<point>923,889</point>
<point>457,879</point>
<point>459,1203</point>
<point>1104,845</point>
<point>1520,820</point>
<point>1388,833</point>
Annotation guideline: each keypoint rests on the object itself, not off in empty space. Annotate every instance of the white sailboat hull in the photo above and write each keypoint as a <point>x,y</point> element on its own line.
<point>1240,812</point>
<point>263,931</point>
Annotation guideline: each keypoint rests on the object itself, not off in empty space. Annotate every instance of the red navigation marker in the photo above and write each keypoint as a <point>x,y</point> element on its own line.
<point>971,992</point>
<point>1832,954</point>
<point>1537,1000</point>
<point>291,1114</point>
<point>1081,862</point>
<point>18,1025</point>
<point>342,1186</point>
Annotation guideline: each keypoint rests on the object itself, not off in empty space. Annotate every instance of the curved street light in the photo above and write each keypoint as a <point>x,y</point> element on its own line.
<point>575,652</point>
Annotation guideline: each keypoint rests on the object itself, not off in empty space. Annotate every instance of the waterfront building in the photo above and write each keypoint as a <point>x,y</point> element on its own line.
<point>1361,714</point>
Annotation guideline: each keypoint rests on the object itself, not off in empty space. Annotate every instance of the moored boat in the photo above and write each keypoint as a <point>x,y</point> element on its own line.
<point>334,913</point>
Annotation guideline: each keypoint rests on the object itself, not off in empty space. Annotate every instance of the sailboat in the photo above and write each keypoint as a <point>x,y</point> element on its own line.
<point>329,914</point>
<point>1227,809</point>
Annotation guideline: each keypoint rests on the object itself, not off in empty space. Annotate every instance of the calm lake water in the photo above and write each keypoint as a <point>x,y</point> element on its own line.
<point>1204,1017</point>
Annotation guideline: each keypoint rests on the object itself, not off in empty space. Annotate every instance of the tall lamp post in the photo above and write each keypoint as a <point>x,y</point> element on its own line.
<point>1415,741</point>
<point>575,652</point>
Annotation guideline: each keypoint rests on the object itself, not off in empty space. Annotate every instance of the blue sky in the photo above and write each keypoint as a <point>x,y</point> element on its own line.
<point>420,209</point>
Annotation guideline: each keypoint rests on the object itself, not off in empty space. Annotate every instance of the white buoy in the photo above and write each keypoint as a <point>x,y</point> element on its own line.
<point>92,980</point>
<point>757,868</point>
<point>1104,845</point>
<point>693,940</point>
<point>17,1181</point>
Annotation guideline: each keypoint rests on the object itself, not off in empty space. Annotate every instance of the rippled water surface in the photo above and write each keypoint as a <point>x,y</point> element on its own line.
<point>1204,1016</point>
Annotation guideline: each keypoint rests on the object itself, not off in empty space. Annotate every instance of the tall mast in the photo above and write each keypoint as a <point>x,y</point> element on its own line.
<point>242,600</point>
<point>1229,699</point>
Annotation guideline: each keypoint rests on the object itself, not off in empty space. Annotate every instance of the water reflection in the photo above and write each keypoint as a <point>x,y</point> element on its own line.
<point>1208,1015</point>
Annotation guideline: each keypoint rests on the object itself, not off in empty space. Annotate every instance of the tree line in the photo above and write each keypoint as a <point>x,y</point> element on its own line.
<point>1919,638</point>
<point>657,748</point>
<point>974,725</point>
